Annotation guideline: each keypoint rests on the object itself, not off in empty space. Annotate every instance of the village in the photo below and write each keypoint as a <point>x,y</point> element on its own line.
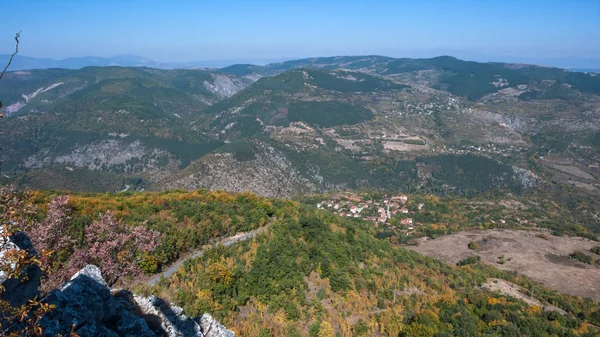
<point>379,211</point>
<point>397,214</point>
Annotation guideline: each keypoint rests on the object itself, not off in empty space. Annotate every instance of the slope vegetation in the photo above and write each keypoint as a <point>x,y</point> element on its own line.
<point>315,274</point>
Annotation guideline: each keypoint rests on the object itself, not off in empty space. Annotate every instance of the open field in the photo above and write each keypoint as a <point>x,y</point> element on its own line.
<point>542,258</point>
<point>404,147</point>
<point>587,187</point>
<point>574,171</point>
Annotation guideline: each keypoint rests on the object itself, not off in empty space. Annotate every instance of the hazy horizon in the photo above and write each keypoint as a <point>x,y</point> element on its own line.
<point>567,63</point>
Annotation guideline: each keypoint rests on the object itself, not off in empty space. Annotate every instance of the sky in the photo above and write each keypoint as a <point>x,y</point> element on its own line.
<point>182,31</point>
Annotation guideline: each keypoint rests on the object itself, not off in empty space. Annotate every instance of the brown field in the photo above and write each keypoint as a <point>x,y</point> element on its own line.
<point>543,259</point>
<point>585,186</point>
<point>574,171</point>
<point>404,147</point>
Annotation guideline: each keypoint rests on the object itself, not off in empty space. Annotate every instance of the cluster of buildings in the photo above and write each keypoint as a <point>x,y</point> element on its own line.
<point>439,104</point>
<point>378,211</point>
<point>517,220</point>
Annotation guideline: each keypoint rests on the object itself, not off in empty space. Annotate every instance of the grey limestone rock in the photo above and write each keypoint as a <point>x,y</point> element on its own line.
<point>86,305</point>
<point>18,291</point>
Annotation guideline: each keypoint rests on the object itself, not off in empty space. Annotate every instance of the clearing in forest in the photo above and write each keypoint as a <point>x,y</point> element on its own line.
<point>541,257</point>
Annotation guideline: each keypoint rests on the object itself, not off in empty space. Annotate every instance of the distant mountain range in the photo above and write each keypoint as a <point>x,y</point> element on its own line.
<point>586,70</point>
<point>21,62</point>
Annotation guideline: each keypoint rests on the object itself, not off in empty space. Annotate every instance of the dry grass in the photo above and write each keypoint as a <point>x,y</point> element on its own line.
<point>400,146</point>
<point>516,291</point>
<point>574,171</point>
<point>541,258</point>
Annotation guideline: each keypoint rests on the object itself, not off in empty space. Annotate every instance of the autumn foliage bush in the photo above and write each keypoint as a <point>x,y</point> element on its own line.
<point>16,212</point>
<point>116,248</point>
<point>473,245</point>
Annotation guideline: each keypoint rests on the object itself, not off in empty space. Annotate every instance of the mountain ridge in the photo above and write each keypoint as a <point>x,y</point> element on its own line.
<point>324,123</point>
<point>22,62</point>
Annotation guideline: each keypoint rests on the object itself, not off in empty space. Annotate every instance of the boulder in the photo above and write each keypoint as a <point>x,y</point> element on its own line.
<point>86,304</point>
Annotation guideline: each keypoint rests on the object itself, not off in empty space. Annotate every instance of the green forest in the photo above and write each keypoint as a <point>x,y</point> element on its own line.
<point>311,273</point>
<point>320,275</point>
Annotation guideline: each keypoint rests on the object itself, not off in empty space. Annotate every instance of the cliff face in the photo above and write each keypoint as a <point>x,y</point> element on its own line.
<point>88,306</point>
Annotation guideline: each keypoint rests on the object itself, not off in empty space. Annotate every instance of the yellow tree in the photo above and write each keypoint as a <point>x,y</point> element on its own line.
<point>326,330</point>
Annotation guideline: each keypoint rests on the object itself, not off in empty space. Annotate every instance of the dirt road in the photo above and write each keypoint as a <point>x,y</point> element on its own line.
<point>225,242</point>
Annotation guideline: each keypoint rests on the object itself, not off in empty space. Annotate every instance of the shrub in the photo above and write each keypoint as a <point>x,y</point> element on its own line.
<point>321,294</point>
<point>339,281</point>
<point>577,255</point>
<point>501,259</point>
<point>469,260</point>
<point>473,245</point>
<point>265,332</point>
<point>361,328</point>
<point>314,329</point>
<point>291,311</point>
<point>419,330</point>
<point>148,264</point>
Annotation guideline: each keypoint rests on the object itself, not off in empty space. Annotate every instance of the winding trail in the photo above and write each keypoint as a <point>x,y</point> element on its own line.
<point>225,242</point>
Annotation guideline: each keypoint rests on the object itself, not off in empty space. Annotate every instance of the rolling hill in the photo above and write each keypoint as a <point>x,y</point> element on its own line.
<point>440,125</point>
<point>462,78</point>
<point>477,146</point>
<point>111,122</point>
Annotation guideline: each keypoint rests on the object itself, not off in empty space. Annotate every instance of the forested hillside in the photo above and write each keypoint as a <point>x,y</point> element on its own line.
<point>251,194</point>
<point>318,275</point>
<point>312,273</point>
<point>178,222</point>
<point>438,125</point>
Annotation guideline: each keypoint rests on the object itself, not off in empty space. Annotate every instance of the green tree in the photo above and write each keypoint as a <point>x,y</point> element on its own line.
<point>473,245</point>
<point>419,330</point>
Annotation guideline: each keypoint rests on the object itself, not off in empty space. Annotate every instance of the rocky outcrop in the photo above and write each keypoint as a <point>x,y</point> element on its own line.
<point>211,328</point>
<point>270,173</point>
<point>87,306</point>
<point>174,323</point>
<point>18,291</point>
<point>223,85</point>
<point>115,155</point>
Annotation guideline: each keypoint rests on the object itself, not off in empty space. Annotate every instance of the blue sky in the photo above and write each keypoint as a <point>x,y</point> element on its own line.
<point>177,31</point>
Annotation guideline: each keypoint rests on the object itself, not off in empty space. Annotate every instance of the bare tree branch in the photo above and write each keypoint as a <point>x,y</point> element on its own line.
<point>17,36</point>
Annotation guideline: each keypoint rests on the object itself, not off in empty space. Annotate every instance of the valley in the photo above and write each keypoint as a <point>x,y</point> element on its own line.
<point>300,168</point>
<point>300,266</point>
<point>348,195</point>
<point>305,126</point>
